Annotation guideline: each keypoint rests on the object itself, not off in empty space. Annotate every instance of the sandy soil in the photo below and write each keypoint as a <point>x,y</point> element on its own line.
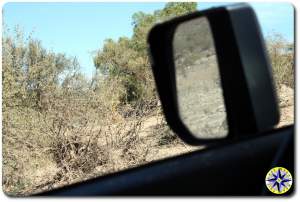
<point>286,105</point>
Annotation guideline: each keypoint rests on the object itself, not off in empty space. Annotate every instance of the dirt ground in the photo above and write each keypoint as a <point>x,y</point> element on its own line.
<point>286,105</point>
<point>200,99</point>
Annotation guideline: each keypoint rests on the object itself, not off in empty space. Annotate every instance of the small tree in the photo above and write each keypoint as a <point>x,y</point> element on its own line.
<point>127,59</point>
<point>29,70</point>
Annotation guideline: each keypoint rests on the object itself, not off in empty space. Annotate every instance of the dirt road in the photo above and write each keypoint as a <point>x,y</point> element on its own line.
<point>200,98</point>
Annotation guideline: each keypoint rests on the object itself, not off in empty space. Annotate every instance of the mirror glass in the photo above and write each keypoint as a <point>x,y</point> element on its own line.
<point>199,92</point>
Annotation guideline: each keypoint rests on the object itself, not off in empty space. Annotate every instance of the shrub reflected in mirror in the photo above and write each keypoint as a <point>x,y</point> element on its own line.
<point>199,92</point>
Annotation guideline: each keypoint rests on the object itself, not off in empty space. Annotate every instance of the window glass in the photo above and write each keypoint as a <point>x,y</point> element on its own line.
<point>78,95</point>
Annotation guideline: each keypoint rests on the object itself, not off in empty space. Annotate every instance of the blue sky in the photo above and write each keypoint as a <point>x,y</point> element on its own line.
<point>78,29</point>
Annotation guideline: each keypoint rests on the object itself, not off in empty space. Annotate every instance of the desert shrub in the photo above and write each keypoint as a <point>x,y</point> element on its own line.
<point>24,150</point>
<point>281,55</point>
<point>127,59</point>
<point>30,71</point>
<point>32,78</point>
<point>133,148</point>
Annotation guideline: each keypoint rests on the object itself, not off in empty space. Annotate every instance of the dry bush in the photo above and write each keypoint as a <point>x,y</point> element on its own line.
<point>71,122</point>
<point>24,150</point>
<point>75,138</point>
<point>281,55</point>
<point>88,139</point>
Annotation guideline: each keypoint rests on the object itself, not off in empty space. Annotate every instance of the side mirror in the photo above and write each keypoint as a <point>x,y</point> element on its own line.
<point>213,75</point>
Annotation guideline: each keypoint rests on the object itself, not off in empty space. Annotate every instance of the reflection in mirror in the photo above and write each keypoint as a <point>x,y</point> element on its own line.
<point>199,92</point>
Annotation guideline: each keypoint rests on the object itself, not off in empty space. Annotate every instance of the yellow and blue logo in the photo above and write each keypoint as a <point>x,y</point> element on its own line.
<point>279,180</point>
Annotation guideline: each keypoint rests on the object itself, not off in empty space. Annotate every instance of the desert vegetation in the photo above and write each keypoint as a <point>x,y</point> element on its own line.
<point>60,127</point>
<point>282,57</point>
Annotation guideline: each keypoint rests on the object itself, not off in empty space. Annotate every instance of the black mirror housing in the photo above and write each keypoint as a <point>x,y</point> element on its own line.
<point>246,75</point>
